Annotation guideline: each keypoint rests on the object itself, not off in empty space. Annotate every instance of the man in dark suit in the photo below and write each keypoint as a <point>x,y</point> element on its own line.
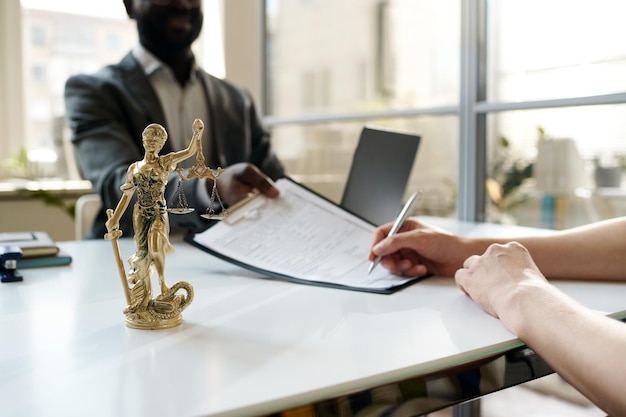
<point>159,82</point>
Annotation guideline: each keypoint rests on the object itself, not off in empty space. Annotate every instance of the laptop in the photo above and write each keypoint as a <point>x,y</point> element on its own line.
<point>380,171</point>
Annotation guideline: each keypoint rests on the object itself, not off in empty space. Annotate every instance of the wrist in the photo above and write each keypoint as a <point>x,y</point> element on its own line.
<point>472,246</point>
<point>522,307</point>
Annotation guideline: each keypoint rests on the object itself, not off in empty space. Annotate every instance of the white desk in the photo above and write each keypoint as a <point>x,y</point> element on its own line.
<point>248,346</point>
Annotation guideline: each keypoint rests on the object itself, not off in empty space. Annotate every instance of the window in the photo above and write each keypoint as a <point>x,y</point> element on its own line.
<point>60,38</point>
<point>531,75</point>
<point>335,66</point>
<point>37,35</point>
<point>480,80</point>
<point>545,50</point>
<point>38,73</point>
<point>406,51</point>
<point>565,61</point>
<point>113,41</point>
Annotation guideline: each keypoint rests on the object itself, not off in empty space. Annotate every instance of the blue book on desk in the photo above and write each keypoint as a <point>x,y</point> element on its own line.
<point>59,259</point>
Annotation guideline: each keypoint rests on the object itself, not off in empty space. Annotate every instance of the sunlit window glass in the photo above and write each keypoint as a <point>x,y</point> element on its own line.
<point>343,58</point>
<point>555,49</point>
<point>361,55</point>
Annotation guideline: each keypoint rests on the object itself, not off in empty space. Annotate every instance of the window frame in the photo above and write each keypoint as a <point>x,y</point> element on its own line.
<point>12,109</point>
<point>472,109</point>
<point>244,40</point>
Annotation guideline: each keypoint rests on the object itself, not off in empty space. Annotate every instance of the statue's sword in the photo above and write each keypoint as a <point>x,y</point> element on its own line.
<point>113,236</point>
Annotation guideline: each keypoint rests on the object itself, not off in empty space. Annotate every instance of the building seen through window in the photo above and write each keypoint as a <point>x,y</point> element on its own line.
<point>57,44</point>
<point>365,56</point>
<point>59,39</point>
<point>397,63</point>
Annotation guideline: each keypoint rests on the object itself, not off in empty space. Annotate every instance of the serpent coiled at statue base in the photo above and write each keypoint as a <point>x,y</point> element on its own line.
<point>164,307</point>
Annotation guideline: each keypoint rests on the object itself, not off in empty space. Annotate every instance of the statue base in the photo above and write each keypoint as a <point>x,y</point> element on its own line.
<point>162,312</point>
<point>157,324</point>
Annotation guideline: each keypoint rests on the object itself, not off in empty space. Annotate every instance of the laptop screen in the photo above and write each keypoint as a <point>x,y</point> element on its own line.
<point>380,171</point>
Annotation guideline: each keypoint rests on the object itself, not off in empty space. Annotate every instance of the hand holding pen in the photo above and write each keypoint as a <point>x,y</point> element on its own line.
<point>404,214</point>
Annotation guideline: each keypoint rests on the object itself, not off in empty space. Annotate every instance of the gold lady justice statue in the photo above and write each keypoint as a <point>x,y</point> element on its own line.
<point>148,179</point>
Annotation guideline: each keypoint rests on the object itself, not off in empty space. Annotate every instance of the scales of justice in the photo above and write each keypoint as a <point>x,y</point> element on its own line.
<point>147,179</point>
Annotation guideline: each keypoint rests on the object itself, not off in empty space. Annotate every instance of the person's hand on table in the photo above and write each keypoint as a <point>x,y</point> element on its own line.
<point>491,279</point>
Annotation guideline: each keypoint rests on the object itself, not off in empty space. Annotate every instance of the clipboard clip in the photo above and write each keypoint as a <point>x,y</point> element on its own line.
<point>247,208</point>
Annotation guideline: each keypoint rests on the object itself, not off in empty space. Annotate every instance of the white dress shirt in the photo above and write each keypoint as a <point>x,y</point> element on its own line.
<point>181,105</point>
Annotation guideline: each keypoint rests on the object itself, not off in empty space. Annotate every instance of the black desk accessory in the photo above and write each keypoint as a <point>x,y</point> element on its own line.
<point>8,263</point>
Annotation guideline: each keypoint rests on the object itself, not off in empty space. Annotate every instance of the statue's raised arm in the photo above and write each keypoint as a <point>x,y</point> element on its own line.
<point>195,145</point>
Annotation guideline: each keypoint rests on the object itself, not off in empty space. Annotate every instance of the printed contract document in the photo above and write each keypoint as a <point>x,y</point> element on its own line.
<point>300,237</point>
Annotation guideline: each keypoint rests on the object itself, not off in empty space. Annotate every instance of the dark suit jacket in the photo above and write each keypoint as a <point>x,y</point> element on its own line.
<point>108,111</point>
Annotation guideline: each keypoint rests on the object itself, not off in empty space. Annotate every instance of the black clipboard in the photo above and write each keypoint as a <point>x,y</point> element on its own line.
<point>295,196</point>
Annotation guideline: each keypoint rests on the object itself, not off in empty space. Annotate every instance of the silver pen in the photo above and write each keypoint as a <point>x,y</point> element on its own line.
<point>404,213</point>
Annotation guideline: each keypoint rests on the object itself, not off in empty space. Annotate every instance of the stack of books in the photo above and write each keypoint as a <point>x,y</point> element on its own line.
<point>38,249</point>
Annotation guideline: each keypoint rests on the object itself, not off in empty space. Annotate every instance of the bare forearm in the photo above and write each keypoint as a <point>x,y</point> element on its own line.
<point>596,251</point>
<point>579,344</point>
